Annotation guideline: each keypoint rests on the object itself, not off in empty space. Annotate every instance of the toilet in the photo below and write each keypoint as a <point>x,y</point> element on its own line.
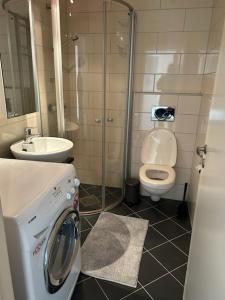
<point>158,155</point>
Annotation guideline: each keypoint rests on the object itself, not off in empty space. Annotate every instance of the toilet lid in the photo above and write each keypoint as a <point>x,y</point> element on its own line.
<point>160,148</point>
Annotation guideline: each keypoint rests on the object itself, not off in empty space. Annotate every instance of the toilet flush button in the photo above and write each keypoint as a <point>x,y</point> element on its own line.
<point>68,196</point>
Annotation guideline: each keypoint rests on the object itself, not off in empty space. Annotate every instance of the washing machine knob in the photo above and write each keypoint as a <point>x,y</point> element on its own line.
<point>68,196</point>
<point>72,190</point>
<point>76,182</point>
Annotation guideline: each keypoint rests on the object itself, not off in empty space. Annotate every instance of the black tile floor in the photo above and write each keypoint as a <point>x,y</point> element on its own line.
<point>91,197</point>
<point>164,259</point>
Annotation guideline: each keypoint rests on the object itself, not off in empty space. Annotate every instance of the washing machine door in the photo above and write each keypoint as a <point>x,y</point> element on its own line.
<point>62,249</point>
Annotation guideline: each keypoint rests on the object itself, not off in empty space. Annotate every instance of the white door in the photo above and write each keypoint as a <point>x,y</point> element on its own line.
<point>6,290</point>
<point>206,268</point>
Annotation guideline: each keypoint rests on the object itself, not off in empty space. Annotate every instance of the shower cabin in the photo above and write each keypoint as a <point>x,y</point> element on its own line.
<point>93,42</point>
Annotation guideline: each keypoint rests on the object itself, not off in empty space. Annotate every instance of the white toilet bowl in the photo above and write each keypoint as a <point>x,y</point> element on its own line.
<point>157,180</point>
<point>159,154</point>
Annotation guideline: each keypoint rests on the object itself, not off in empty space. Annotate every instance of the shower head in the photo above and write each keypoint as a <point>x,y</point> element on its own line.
<point>72,36</point>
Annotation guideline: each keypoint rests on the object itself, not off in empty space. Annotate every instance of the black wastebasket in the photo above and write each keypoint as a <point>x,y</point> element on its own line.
<point>132,195</point>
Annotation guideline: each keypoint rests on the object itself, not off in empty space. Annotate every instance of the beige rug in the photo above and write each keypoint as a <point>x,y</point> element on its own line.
<point>113,249</point>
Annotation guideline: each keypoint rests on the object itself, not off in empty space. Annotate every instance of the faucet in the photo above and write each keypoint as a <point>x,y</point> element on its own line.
<point>29,135</point>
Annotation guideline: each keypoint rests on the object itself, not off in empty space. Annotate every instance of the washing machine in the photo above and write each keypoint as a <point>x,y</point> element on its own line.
<point>41,216</point>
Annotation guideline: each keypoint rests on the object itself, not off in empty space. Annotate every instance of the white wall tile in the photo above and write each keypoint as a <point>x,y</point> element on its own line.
<point>186,3</point>
<point>184,159</point>
<point>160,20</point>
<point>189,104</point>
<point>186,124</point>
<point>178,83</point>
<point>142,121</point>
<point>146,42</point>
<point>144,4</point>
<point>143,83</point>
<point>185,142</point>
<point>157,63</point>
<point>192,63</point>
<point>182,42</point>
<point>145,102</point>
<point>198,19</point>
<point>182,175</point>
<point>211,63</point>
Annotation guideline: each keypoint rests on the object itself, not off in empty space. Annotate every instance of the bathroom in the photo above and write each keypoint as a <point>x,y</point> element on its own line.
<point>92,72</point>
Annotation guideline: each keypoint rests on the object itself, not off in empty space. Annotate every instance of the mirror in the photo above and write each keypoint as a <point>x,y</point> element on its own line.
<point>16,58</point>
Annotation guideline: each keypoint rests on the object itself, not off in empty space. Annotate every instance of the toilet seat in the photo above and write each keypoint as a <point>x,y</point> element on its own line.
<point>155,183</point>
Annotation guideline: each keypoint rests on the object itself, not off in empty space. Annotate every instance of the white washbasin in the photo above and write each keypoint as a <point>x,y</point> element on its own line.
<point>43,148</point>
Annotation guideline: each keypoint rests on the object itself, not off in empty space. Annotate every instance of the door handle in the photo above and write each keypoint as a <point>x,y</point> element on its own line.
<point>97,120</point>
<point>110,119</point>
<point>201,151</point>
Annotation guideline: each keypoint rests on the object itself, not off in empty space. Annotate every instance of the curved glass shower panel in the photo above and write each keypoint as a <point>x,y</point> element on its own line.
<point>95,49</point>
<point>82,61</point>
<point>118,22</point>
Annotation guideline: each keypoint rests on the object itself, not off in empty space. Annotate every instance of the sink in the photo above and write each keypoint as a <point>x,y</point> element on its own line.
<point>50,149</point>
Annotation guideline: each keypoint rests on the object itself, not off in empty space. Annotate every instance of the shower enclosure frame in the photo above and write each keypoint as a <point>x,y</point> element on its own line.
<point>56,26</point>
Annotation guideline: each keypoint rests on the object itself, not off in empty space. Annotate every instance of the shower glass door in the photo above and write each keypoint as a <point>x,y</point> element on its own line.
<point>82,41</point>
<point>92,55</point>
<point>117,30</point>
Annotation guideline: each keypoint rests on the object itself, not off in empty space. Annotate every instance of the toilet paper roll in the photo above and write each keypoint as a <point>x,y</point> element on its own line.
<point>199,168</point>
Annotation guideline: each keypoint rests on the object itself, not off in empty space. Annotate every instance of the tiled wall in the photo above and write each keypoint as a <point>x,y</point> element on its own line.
<point>171,49</point>
<point>213,52</point>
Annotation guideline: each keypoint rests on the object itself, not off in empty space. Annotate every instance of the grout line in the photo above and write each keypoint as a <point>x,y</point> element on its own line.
<point>179,249</point>
<point>85,230</point>
<point>151,224</point>
<point>179,224</point>
<point>157,246</point>
<point>85,279</point>
<point>165,268</point>
<point>170,240</point>
<point>89,222</point>
<point>156,279</point>
<point>171,218</point>
<point>146,291</point>
<point>102,289</point>
<point>179,267</point>
<point>131,293</point>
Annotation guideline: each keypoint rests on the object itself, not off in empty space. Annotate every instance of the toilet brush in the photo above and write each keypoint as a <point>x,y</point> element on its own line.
<point>182,210</point>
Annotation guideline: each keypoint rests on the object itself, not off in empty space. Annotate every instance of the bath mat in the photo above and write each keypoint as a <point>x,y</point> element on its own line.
<point>113,249</point>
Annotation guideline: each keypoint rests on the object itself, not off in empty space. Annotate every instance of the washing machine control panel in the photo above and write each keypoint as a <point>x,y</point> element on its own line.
<point>63,194</point>
<point>66,190</point>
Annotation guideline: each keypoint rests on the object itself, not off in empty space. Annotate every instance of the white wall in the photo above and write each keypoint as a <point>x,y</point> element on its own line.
<point>170,56</point>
